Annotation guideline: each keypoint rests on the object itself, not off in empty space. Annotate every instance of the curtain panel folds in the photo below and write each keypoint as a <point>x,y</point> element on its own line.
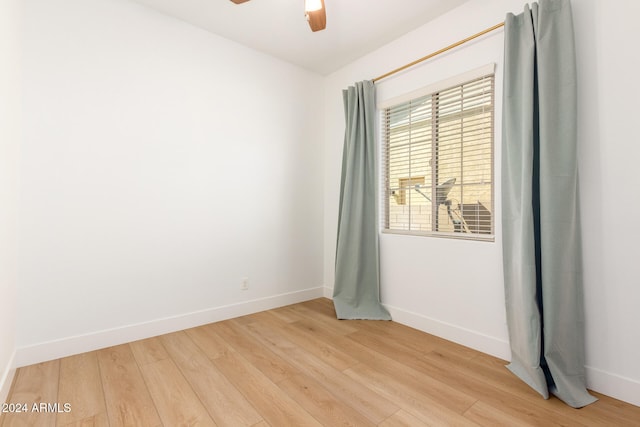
<point>356,293</point>
<point>541,223</point>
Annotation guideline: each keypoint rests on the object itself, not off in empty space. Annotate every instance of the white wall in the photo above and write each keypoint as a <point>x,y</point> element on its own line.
<point>162,164</point>
<point>9,160</point>
<point>455,288</point>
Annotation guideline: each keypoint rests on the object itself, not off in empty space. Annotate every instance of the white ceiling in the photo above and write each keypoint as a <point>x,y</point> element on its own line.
<point>278,27</point>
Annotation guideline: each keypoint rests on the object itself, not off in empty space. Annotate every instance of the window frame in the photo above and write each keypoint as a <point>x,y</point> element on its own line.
<point>385,187</point>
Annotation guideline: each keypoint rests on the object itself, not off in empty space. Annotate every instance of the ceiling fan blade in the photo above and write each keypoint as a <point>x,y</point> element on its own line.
<point>317,19</point>
<point>239,1</point>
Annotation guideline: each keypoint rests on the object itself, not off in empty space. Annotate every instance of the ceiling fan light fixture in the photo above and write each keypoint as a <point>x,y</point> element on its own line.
<point>312,5</point>
<point>317,19</point>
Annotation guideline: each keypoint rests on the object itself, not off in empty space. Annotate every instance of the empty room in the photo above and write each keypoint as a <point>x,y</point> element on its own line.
<point>319,212</point>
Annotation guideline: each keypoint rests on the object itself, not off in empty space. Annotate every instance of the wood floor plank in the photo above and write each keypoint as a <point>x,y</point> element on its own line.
<point>127,398</point>
<point>373,406</point>
<point>492,371</point>
<point>243,320</point>
<point>272,365</point>
<point>321,307</point>
<point>315,332</point>
<point>489,416</point>
<point>148,351</point>
<point>305,333</point>
<point>99,420</point>
<point>285,314</point>
<point>337,327</point>
<point>532,409</point>
<point>400,363</point>
<point>34,385</point>
<point>81,384</point>
<point>403,419</point>
<point>226,405</point>
<point>208,340</point>
<point>393,348</point>
<point>625,413</point>
<point>474,386</point>
<point>383,359</point>
<point>484,369</point>
<point>413,338</point>
<point>419,405</point>
<point>321,403</point>
<point>325,352</point>
<point>277,408</point>
<point>177,403</point>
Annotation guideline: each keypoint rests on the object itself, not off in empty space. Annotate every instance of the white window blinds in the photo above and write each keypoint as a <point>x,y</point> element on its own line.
<point>437,154</point>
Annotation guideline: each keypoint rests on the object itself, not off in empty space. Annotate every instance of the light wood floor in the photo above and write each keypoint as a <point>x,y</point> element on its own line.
<point>294,366</point>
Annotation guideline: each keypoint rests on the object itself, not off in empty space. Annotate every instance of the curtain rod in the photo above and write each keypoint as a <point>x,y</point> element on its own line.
<point>431,55</point>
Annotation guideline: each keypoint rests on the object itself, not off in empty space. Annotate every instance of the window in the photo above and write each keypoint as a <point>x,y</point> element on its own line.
<point>437,153</point>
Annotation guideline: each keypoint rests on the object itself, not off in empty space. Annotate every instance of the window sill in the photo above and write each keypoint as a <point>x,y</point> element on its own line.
<point>445,235</point>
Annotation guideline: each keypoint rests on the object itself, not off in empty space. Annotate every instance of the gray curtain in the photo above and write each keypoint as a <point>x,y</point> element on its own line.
<point>541,223</point>
<point>356,293</point>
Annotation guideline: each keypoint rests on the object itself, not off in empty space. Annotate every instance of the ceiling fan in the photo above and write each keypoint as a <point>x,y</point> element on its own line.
<point>313,11</point>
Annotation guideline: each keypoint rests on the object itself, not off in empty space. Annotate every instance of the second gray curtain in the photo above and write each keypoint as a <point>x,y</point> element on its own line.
<point>356,293</point>
<point>541,223</point>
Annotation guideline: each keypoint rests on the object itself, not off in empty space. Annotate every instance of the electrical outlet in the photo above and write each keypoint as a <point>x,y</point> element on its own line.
<point>244,285</point>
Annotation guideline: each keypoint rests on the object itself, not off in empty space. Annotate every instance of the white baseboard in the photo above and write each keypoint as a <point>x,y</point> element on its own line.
<point>613,385</point>
<point>466,337</point>
<point>7,378</point>
<point>88,342</point>
<point>469,338</point>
